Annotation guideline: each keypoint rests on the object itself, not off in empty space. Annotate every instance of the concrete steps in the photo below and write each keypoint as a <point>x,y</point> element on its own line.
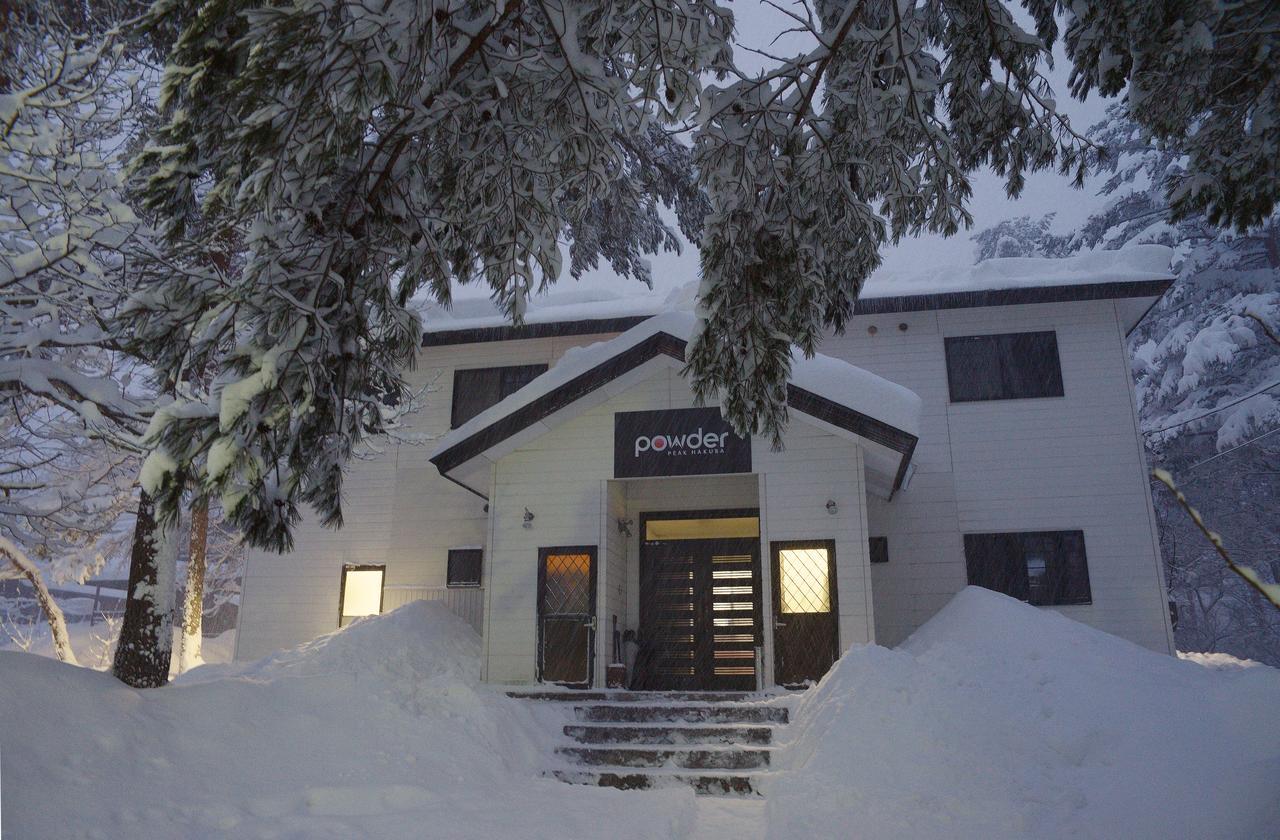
<point>707,713</point>
<point>695,759</point>
<point>706,785</point>
<point>658,734</point>
<point>718,743</point>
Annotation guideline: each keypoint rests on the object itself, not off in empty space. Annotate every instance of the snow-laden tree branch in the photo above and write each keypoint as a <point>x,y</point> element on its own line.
<point>21,566</point>
<point>71,404</point>
<point>914,97</point>
<point>364,156</point>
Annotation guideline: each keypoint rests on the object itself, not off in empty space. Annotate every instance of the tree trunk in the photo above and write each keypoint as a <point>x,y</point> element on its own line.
<point>52,612</point>
<point>193,601</point>
<point>146,634</point>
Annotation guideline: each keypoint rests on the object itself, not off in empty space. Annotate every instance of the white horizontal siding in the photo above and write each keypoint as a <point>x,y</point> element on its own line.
<point>398,511</point>
<point>1065,463</point>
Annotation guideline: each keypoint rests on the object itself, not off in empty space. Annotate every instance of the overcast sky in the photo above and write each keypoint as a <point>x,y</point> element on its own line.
<point>760,26</point>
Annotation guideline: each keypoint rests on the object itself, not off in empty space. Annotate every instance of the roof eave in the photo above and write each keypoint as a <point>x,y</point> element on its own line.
<point>863,306</point>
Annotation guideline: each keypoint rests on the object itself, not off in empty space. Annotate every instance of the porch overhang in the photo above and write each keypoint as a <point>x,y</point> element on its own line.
<point>589,376</point>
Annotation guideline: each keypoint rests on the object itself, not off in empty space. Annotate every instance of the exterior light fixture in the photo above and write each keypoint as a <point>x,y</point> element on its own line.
<point>832,507</point>
<point>528,518</point>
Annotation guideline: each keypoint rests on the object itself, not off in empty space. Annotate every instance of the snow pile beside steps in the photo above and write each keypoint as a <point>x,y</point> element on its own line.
<point>1001,720</point>
<point>379,730</point>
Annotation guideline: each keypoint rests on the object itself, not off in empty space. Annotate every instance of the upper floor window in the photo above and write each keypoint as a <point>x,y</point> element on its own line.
<point>879,549</point>
<point>1004,367</point>
<point>476,389</point>
<point>1044,568</point>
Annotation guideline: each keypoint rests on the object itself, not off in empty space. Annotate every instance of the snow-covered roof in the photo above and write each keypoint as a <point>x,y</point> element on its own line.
<point>860,394</point>
<point>1136,263</point>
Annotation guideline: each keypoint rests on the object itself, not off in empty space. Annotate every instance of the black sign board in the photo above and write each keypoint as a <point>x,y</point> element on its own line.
<point>682,441</point>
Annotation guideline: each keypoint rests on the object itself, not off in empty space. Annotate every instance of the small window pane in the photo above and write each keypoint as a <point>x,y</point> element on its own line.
<point>361,592</point>
<point>805,581</point>
<point>464,566</point>
<point>879,549</point>
<point>568,584</point>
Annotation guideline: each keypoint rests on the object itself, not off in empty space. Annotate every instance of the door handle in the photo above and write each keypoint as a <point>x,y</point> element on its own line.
<point>590,623</point>
<point>778,624</point>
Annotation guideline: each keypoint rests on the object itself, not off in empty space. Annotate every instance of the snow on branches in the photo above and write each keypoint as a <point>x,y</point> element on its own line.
<point>812,166</point>
<point>361,155</point>
<point>67,105</point>
<point>364,155</point>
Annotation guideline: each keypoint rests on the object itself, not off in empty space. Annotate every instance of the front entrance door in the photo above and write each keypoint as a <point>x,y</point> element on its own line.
<point>805,618</point>
<point>567,615</point>
<point>700,610</point>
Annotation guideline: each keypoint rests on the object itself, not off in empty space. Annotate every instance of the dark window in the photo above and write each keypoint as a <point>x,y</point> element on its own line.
<point>464,566</point>
<point>1042,568</point>
<point>477,389</point>
<point>879,549</point>
<point>1003,367</point>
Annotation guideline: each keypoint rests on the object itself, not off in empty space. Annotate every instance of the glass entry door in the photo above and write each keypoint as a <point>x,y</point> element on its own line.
<point>805,619</point>
<point>567,615</point>
<point>700,610</point>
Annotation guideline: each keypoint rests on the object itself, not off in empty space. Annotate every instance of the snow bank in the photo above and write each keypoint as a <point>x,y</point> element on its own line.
<point>1000,720</point>
<point>834,379</point>
<point>380,730</point>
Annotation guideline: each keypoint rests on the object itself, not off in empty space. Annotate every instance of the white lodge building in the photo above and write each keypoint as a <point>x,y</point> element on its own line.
<point>578,508</point>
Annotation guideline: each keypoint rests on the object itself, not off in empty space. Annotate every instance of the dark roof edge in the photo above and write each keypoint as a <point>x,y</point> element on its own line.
<point>554,329</point>
<point>863,306</point>
<point>863,425</point>
<point>584,383</point>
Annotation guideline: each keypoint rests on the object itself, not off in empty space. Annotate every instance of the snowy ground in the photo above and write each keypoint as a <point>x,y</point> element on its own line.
<point>995,720</point>
<point>94,645</point>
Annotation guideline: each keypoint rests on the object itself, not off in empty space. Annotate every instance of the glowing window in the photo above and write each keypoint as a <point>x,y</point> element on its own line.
<point>713,528</point>
<point>361,592</point>
<point>805,580</point>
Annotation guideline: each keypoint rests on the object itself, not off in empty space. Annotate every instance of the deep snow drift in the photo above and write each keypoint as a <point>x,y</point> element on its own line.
<point>380,730</point>
<point>994,720</point>
<point>997,719</point>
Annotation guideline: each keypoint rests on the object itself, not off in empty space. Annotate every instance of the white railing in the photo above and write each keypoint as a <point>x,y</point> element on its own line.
<point>466,602</point>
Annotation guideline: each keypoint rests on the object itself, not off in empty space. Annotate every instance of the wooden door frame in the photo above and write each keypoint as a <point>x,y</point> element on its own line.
<point>775,577</point>
<point>543,553</point>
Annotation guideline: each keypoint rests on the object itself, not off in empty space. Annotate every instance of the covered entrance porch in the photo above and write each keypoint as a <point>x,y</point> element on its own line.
<point>629,526</point>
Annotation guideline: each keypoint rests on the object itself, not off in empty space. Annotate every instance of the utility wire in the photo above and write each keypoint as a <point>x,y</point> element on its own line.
<point>1248,442</point>
<point>1214,411</point>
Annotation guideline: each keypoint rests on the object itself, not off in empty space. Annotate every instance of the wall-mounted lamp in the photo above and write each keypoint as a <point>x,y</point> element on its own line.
<point>528,518</point>
<point>832,507</point>
<point>624,526</point>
